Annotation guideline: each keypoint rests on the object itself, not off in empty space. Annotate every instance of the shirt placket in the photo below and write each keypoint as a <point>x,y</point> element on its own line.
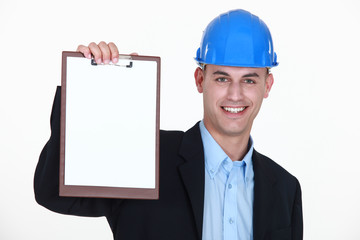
<point>230,203</point>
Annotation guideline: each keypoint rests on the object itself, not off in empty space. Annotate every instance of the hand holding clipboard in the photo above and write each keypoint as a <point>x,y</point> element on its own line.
<point>102,53</point>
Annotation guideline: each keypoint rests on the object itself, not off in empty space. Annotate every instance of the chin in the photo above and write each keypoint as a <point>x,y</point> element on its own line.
<point>234,133</point>
<point>229,130</point>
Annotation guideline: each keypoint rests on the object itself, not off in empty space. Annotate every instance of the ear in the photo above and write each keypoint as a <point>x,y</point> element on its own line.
<point>268,84</point>
<point>199,79</point>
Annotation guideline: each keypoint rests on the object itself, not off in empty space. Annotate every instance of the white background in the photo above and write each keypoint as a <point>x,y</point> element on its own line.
<point>309,124</point>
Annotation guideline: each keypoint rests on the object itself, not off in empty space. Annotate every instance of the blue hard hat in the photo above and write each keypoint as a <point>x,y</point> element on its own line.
<point>237,38</point>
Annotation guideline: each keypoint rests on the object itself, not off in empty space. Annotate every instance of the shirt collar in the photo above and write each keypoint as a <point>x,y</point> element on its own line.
<point>215,155</point>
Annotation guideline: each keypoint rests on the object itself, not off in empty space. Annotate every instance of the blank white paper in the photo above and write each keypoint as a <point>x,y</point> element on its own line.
<point>110,133</point>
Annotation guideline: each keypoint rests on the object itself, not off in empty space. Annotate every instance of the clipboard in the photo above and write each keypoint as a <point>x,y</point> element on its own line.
<point>109,129</point>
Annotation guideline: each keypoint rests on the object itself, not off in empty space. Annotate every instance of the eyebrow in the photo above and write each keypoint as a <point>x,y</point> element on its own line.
<point>221,73</point>
<point>251,75</point>
<point>228,75</point>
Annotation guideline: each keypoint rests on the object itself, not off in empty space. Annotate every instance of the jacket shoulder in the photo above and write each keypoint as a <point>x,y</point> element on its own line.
<point>171,133</point>
<point>277,170</point>
<point>170,139</point>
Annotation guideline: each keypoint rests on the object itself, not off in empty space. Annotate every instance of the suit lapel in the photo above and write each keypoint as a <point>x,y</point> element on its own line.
<point>192,172</point>
<point>264,181</point>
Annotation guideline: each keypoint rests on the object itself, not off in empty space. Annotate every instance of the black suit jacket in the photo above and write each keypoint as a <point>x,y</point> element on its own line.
<point>178,214</point>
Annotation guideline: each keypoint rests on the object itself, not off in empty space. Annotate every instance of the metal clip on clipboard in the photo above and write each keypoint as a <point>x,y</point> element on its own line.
<point>121,57</point>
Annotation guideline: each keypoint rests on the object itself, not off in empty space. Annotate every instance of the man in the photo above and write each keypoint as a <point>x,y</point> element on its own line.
<point>213,183</point>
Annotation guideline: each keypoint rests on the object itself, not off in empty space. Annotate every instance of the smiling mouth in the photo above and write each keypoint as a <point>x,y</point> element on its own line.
<point>233,109</point>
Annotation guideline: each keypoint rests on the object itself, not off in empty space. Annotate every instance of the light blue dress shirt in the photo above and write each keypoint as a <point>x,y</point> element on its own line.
<point>229,193</point>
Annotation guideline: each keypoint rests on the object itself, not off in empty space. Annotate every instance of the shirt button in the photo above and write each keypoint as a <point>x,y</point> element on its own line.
<point>230,186</point>
<point>212,171</point>
<point>231,221</point>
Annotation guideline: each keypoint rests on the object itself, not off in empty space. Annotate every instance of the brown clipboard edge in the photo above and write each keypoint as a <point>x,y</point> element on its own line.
<point>107,192</point>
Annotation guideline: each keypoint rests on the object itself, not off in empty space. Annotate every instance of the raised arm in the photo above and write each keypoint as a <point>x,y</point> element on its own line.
<point>46,180</point>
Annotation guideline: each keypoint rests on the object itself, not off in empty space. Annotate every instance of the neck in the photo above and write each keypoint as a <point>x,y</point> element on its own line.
<point>235,147</point>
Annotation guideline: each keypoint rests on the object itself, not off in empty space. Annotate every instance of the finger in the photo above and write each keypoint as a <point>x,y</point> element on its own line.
<point>114,52</point>
<point>96,52</point>
<point>105,51</point>
<point>84,50</point>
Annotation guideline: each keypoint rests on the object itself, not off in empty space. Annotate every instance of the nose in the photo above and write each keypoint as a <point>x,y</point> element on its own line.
<point>235,92</point>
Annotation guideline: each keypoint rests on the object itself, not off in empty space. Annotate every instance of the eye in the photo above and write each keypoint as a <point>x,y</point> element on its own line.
<point>250,81</point>
<point>221,79</point>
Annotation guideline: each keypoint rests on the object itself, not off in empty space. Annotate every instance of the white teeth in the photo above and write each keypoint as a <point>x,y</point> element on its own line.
<point>234,110</point>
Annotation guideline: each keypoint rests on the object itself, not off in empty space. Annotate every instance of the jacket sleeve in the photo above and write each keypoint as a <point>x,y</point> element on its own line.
<point>297,217</point>
<point>46,180</point>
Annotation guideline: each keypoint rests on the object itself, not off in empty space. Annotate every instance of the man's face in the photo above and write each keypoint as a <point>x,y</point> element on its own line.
<point>232,97</point>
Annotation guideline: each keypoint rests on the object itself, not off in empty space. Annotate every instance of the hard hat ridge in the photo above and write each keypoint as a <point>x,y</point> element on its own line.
<point>237,38</point>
